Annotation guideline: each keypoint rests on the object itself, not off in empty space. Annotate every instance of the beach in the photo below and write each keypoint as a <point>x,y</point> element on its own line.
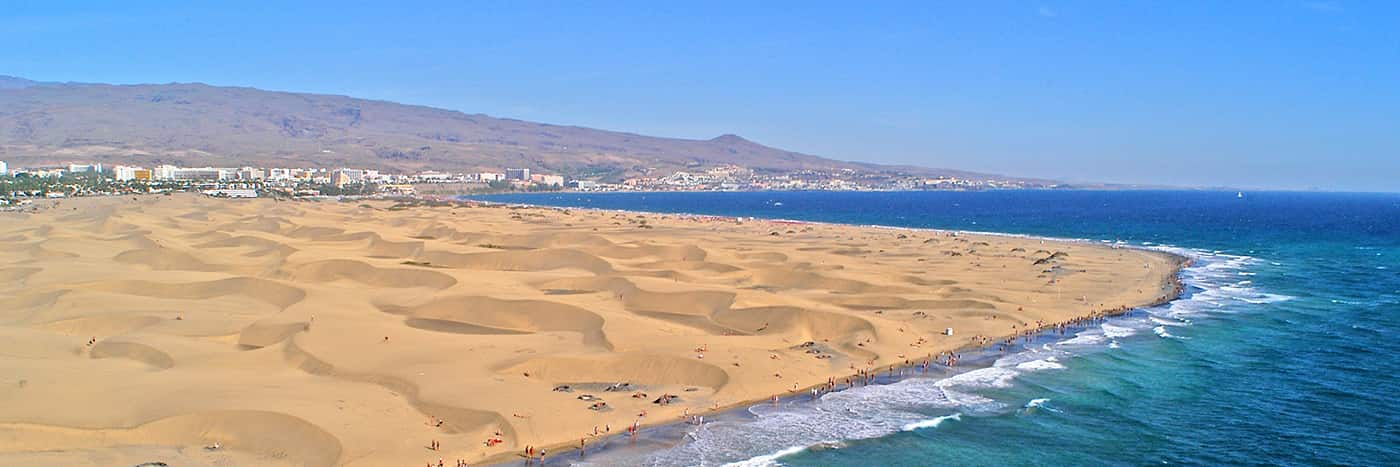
<point>369,332</point>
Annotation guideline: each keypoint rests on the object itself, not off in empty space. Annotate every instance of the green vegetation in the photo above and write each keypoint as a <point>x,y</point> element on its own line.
<point>71,184</point>
<point>352,189</point>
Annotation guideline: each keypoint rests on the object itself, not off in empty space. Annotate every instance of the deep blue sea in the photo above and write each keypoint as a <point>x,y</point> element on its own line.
<point>1284,350</point>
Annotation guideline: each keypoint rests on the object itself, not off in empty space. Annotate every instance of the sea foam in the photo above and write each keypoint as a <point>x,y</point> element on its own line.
<point>931,423</point>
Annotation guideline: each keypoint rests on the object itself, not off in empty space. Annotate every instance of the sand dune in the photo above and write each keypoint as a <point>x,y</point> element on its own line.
<point>39,251</point>
<point>323,333</point>
<point>456,419</point>
<point>522,316</point>
<point>764,256</point>
<point>699,302</point>
<point>15,277</point>
<point>793,279</point>
<point>268,332</point>
<point>538,240</point>
<point>531,260</point>
<point>257,223</point>
<point>364,273</point>
<point>273,436</point>
<point>100,324</point>
<point>700,266</point>
<point>662,253</point>
<point>254,246</point>
<point>808,324</point>
<point>133,351</point>
<point>916,280</point>
<point>879,302</point>
<point>30,301</point>
<point>629,367</point>
<point>165,259</point>
<point>273,293</point>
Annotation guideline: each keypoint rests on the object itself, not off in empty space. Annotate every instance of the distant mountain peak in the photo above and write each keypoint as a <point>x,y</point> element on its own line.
<point>730,138</point>
<point>15,82</point>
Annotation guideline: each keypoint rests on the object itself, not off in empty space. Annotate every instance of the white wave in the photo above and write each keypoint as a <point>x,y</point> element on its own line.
<point>1037,365</point>
<point>1036,405</point>
<point>1167,322</point>
<point>768,459</point>
<point>1113,331</point>
<point>1264,298</point>
<point>1085,338</point>
<point>776,431</point>
<point>981,378</point>
<point>933,423</point>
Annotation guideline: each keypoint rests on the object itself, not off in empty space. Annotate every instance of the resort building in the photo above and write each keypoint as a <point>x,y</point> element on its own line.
<point>124,173</point>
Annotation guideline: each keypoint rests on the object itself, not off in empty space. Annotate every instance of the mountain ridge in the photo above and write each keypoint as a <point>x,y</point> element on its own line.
<point>202,124</point>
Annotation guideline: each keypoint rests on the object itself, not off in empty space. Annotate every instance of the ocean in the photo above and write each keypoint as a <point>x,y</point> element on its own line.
<point>1283,350</point>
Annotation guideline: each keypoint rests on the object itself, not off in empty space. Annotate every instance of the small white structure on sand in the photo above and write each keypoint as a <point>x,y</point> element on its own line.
<point>948,331</point>
<point>231,193</point>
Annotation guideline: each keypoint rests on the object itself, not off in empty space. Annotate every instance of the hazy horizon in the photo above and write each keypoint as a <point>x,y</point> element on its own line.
<point>1293,95</point>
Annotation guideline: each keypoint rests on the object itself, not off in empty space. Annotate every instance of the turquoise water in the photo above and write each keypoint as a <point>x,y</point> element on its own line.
<point>1284,350</point>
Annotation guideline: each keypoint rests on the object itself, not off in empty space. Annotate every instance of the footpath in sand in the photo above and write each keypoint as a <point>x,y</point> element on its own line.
<point>359,333</point>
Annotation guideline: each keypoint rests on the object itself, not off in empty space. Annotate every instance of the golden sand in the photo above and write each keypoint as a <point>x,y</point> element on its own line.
<point>326,333</point>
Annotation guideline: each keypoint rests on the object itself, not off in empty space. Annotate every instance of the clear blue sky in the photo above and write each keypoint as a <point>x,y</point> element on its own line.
<point>1281,94</point>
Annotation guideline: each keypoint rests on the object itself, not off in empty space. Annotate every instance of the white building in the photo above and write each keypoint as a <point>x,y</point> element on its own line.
<point>163,172</point>
<point>249,173</point>
<point>201,174</point>
<point>353,175</point>
<point>431,176</point>
<point>124,173</point>
<point>490,176</point>
<point>518,174</point>
<point>4,168</point>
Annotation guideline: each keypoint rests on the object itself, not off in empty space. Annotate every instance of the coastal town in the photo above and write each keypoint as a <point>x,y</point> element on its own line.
<point>87,178</point>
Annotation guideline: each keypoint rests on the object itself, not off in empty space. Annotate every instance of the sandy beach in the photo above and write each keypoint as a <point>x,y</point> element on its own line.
<point>364,333</point>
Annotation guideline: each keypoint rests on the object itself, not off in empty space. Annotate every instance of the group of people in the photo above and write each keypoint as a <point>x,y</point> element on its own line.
<point>532,454</point>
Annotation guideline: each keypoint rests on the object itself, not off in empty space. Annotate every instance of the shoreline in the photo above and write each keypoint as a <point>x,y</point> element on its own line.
<point>879,376</point>
<point>1172,289</point>
<point>779,220</point>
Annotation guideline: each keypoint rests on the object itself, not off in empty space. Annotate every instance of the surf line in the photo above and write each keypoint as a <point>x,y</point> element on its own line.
<point>970,357</point>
